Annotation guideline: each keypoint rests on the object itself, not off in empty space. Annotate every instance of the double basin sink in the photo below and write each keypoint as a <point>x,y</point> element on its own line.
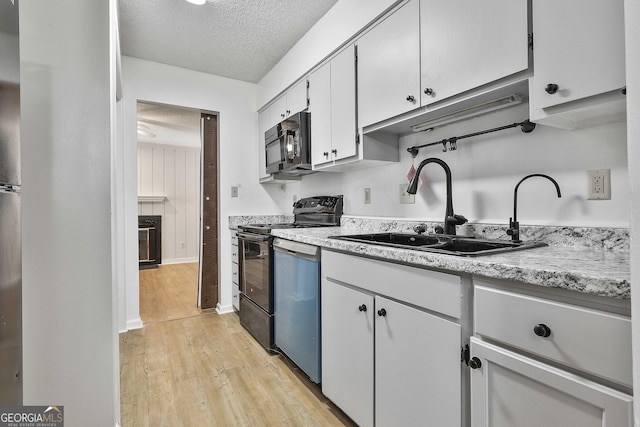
<point>440,243</point>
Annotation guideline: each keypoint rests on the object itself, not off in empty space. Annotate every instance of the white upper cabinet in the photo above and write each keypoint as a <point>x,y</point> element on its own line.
<point>428,51</point>
<point>292,102</point>
<point>469,43</point>
<point>297,98</point>
<point>343,105</point>
<point>578,49</point>
<point>278,110</point>
<point>332,103</point>
<point>320,109</point>
<point>389,66</point>
<point>578,63</point>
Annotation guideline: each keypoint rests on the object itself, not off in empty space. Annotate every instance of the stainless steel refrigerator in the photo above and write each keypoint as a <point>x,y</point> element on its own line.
<point>10,217</point>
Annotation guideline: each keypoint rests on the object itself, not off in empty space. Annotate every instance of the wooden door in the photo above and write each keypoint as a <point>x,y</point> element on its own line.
<point>209,259</point>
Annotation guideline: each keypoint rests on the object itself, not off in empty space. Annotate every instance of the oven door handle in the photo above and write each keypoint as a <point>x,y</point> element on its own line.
<point>253,237</point>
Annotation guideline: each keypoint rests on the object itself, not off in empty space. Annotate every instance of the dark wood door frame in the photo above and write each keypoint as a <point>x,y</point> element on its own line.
<point>209,269</point>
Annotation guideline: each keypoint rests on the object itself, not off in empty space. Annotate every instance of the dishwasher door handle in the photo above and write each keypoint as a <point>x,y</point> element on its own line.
<point>309,252</point>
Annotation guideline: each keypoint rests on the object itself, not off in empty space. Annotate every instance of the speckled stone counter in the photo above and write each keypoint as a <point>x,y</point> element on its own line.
<point>589,260</point>
<point>236,220</point>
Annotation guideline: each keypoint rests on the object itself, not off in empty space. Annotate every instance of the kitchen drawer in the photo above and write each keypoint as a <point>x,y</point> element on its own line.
<point>235,296</point>
<point>234,253</point>
<point>589,340</point>
<point>429,289</point>
<point>235,278</point>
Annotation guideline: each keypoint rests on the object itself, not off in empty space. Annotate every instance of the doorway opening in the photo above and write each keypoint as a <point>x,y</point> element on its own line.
<point>170,187</point>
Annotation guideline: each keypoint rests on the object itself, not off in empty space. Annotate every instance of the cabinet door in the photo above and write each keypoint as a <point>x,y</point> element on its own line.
<point>264,123</point>
<point>347,350</point>
<point>578,48</point>
<point>320,108</point>
<point>389,67</point>
<point>469,43</point>
<point>343,105</point>
<point>297,98</point>
<point>418,368</point>
<point>278,110</point>
<point>512,390</point>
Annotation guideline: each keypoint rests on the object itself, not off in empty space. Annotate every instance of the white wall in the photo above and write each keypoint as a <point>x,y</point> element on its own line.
<point>173,172</point>
<point>235,101</point>
<point>632,11</point>
<point>67,101</point>
<point>486,169</point>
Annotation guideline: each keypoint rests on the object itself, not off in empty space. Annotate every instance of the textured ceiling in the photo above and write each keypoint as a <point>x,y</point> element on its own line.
<point>239,39</point>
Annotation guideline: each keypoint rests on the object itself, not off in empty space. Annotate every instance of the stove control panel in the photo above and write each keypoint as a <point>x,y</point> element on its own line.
<point>318,204</point>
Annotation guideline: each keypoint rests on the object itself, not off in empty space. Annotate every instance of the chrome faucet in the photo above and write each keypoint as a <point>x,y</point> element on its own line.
<point>450,219</point>
<point>514,225</point>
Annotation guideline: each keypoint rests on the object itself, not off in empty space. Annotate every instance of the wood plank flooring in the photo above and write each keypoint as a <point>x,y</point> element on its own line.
<point>169,292</point>
<point>206,370</point>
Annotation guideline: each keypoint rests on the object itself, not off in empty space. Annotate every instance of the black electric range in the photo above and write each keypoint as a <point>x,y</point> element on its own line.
<point>255,244</point>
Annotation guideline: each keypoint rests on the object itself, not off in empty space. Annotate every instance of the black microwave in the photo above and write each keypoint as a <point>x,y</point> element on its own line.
<point>288,146</point>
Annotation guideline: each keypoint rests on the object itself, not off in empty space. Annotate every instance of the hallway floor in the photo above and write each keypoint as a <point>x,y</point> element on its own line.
<point>204,369</point>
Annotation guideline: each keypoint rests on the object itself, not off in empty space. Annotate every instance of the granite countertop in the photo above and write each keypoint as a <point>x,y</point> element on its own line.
<point>586,268</point>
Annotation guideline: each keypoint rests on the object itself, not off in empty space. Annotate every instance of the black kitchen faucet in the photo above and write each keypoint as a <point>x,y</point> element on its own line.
<point>450,219</point>
<point>514,225</point>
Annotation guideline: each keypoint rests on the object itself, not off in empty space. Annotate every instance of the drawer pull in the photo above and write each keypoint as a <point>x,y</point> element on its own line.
<point>551,88</point>
<point>362,308</point>
<point>475,363</point>
<point>542,330</point>
<point>382,312</point>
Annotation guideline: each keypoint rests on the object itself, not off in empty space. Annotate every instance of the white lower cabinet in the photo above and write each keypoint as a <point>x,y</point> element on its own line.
<point>417,373</point>
<point>235,271</point>
<point>552,360</point>
<point>385,361</point>
<point>509,389</point>
<point>347,350</point>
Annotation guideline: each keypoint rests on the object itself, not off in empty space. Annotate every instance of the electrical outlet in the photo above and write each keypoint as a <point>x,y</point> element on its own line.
<point>599,184</point>
<point>181,245</point>
<point>406,198</point>
<point>367,196</point>
<point>234,191</point>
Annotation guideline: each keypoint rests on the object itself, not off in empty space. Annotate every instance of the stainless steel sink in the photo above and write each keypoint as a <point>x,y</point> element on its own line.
<point>439,243</point>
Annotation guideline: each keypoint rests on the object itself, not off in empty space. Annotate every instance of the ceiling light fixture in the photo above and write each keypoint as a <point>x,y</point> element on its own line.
<point>197,2</point>
<point>467,113</point>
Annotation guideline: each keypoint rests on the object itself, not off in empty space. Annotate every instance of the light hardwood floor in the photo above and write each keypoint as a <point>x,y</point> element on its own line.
<point>169,292</point>
<point>204,369</point>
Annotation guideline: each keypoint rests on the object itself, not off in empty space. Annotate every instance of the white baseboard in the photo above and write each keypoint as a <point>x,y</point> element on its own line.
<point>134,324</point>
<point>179,260</point>
<point>224,309</point>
